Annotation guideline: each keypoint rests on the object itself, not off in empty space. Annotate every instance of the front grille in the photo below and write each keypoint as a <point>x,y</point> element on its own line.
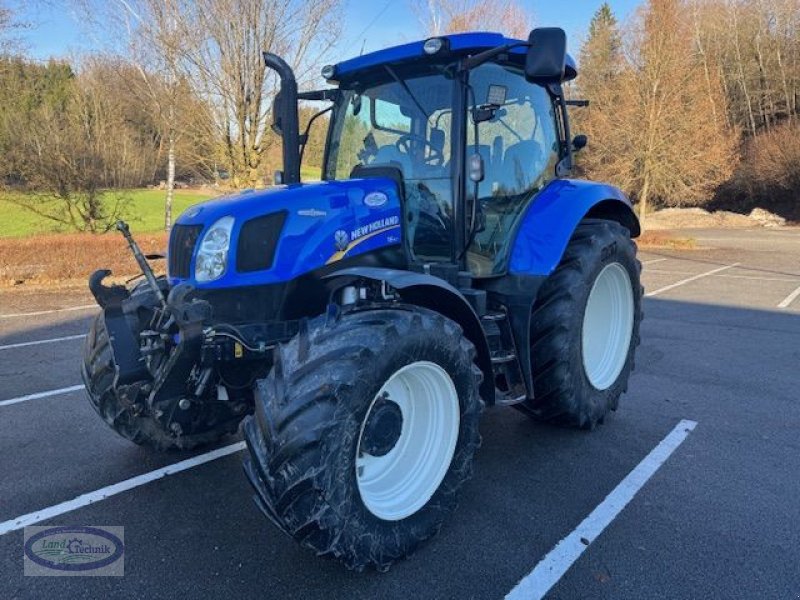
<point>182,241</point>
<point>258,240</point>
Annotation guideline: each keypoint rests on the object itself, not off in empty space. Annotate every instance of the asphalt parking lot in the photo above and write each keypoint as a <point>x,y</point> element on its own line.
<point>719,518</point>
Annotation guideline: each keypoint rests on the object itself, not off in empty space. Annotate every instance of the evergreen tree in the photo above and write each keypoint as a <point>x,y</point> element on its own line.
<point>600,66</point>
<point>600,56</point>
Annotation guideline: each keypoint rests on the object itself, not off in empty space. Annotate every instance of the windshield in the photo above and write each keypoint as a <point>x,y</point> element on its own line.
<point>404,121</point>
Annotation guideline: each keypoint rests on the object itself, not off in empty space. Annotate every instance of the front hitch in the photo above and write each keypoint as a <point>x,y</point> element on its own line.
<point>127,331</point>
<point>115,295</point>
<point>190,315</point>
<point>105,295</point>
<point>141,260</point>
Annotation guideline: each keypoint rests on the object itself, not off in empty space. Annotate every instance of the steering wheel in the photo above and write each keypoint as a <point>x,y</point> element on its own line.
<point>403,144</point>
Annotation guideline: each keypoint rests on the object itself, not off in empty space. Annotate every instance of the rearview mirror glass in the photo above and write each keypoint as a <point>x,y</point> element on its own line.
<point>547,55</point>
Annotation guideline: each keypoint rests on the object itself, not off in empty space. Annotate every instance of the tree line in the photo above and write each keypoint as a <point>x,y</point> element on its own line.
<point>692,102</point>
<point>179,91</point>
<point>695,102</point>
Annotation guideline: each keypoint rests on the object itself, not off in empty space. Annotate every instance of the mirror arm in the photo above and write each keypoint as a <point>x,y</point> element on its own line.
<point>304,136</point>
<point>566,164</point>
<point>475,61</point>
<point>330,94</point>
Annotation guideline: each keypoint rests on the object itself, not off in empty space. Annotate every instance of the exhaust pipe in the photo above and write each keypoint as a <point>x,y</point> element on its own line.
<point>285,121</point>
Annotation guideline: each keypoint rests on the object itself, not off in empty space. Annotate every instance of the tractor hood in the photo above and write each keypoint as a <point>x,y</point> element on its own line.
<point>286,231</point>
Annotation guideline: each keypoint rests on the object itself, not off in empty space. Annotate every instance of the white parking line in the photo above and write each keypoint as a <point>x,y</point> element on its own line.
<point>38,342</point>
<point>690,279</point>
<point>749,277</point>
<point>48,312</point>
<point>553,566</point>
<point>653,261</point>
<point>116,488</point>
<point>789,299</point>
<point>39,395</point>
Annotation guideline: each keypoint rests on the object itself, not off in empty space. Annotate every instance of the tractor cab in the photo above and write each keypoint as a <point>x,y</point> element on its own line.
<point>469,139</point>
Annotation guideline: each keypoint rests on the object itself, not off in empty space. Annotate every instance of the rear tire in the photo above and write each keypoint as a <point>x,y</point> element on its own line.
<point>308,436</point>
<point>585,328</point>
<point>98,375</point>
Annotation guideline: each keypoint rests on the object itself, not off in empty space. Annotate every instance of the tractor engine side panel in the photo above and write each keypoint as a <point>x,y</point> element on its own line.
<point>549,222</point>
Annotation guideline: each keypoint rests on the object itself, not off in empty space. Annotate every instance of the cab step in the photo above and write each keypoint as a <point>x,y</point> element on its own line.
<point>502,356</point>
<point>490,317</point>
<point>504,399</point>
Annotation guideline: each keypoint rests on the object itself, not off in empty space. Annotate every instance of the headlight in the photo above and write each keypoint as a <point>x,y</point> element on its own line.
<point>212,256</point>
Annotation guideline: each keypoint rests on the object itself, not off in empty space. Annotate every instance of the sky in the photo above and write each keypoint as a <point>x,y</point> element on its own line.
<point>55,30</point>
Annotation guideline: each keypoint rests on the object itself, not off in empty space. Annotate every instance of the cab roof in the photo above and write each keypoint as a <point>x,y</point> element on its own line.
<point>460,43</point>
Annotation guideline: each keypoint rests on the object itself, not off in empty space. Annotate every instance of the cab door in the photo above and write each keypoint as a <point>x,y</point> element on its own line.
<point>520,148</point>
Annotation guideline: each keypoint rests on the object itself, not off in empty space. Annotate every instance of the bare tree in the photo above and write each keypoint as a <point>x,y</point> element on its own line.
<point>213,48</point>
<point>75,153</point>
<point>8,25</point>
<point>679,154</point>
<point>158,30</point>
<point>439,17</point>
<point>755,46</point>
<point>5,19</point>
<point>221,51</point>
<point>144,34</point>
<point>651,118</point>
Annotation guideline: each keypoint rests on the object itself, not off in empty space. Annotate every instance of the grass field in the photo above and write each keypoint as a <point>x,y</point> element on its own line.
<point>37,251</point>
<point>144,212</point>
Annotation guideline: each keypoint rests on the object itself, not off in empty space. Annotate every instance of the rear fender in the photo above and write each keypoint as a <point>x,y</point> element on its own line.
<point>549,222</point>
<point>435,294</point>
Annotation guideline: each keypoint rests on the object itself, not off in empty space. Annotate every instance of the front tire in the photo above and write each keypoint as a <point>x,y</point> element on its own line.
<point>585,328</point>
<point>364,432</point>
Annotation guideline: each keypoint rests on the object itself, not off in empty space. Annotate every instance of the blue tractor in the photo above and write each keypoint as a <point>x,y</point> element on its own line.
<point>354,328</point>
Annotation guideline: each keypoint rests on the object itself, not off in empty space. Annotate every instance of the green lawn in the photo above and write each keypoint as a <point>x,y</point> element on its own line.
<point>145,213</point>
<point>308,173</point>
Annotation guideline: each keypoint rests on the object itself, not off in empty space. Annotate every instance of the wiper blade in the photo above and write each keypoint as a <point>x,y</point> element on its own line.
<point>407,89</point>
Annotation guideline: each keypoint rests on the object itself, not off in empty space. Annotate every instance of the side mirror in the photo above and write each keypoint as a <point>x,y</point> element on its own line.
<point>579,142</point>
<point>277,111</point>
<point>546,60</point>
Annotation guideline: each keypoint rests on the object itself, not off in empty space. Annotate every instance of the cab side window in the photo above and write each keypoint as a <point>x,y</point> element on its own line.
<point>520,149</point>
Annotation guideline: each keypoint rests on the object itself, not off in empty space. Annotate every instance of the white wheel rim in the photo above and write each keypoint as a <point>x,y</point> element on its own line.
<point>607,326</point>
<point>398,484</point>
